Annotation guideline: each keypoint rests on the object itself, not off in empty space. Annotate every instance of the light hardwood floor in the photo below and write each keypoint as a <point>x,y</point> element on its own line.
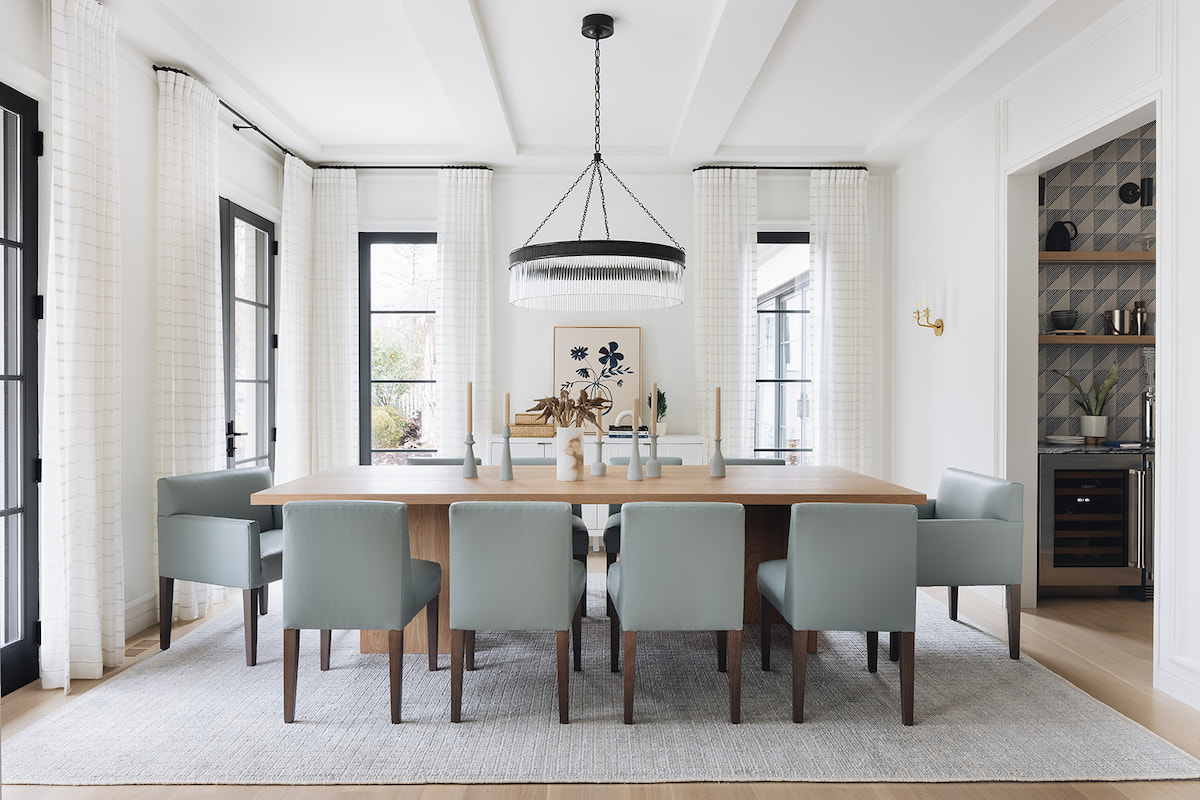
<point>1102,645</point>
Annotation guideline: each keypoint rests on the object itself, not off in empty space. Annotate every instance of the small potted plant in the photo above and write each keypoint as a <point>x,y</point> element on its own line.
<point>1093,424</point>
<point>662,409</point>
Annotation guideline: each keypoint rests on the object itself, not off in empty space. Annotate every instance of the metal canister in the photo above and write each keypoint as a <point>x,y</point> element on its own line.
<point>1141,319</point>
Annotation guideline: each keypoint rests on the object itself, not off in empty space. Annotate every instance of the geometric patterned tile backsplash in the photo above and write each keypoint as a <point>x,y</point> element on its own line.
<point>1084,191</point>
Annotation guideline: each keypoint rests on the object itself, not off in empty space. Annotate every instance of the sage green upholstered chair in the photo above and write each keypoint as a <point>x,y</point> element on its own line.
<point>970,535</point>
<point>348,567</point>
<point>511,569</point>
<point>654,589</point>
<point>850,567</point>
<point>209,533</point>
<point>579,528</point>
<point>612,525</point>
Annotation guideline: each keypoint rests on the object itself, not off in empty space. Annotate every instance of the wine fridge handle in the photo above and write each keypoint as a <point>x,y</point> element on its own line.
<point>1136,523</point>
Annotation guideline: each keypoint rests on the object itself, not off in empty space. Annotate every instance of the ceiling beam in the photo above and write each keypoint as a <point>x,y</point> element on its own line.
<point>742,38</point>
<point>450,35</point>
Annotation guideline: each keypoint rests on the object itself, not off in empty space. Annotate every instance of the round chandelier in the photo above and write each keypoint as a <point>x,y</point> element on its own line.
<point>596,274</point>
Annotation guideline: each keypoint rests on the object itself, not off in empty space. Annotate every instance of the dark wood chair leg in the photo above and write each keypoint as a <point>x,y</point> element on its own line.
<point>564,674</point>
<point>630,662</point>
<point>614,640</point>
<point>291,665</point>
<point>735,677</point>
<point>722,647</point>
<point>893,646</point>
<point>577,633</point>
<point>1014,619</point>
<point>396,671</point>
<point>582,559</point>
<point>609,560</point>
<point>952,601</point>
<point>469,649</point>
<point>262,600</point>
<point>812,641</point>
<point>872,651</point>
<point>326,641</point>
<point>249,607</point>
<point>907,673</point>
<point>431,631</point>
<point>456,675</point>
<point>166,602</point>
<point>799,665</point>
<point>764,632</point>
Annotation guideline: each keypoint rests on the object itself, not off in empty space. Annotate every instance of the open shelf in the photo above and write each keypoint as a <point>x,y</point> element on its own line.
<point>1076,338</point>
<point>1092,257</point>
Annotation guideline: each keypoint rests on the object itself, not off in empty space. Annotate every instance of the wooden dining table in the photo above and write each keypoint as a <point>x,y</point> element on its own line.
<point>766,491</point>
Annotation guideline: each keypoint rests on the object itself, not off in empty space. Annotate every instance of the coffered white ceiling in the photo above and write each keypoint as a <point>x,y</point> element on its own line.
<point>509,82</point>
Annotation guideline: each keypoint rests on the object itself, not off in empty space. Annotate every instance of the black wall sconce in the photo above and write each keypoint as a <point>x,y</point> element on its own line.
<point>1131,192</point>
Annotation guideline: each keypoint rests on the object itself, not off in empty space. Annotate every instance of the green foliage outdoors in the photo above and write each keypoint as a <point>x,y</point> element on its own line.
<point>392,357</point>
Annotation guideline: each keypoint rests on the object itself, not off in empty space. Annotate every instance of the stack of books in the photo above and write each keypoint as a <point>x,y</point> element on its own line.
<point>626,431</point>
<point>530,425</point>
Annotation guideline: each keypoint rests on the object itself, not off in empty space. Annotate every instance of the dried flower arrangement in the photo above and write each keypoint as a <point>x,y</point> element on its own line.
<point>565,412</point>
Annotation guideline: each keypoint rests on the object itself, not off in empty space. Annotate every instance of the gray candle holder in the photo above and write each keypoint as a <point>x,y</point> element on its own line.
<point>506,473</point>
<point>653,465</point>
<point>598,466</point>
<point>635,461</point>
<point>716,466</point>
<point>469,468</point>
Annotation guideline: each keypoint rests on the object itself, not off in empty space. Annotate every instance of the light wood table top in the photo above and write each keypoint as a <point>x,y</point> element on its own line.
<point>768,485</point>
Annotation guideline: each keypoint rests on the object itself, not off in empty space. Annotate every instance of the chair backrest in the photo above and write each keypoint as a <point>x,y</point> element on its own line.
<point>347,565</point>
<point>774,462</point>
<point>852,567</point>
<point>969,495</point>
<point>669,461</point>
<point>439,461</point>
<point>510,566</point>
<point>221,493</point>
<point>682,566</point>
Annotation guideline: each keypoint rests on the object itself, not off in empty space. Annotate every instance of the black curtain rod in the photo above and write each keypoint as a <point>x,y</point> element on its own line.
<point>769,166</point>
<point>404,166</point>
<point>249,126</point>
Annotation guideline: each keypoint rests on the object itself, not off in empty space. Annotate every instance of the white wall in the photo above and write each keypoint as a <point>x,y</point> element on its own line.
<point>966,197</point>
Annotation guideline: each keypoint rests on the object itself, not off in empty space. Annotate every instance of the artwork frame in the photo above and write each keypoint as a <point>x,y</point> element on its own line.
<point>578,347</point>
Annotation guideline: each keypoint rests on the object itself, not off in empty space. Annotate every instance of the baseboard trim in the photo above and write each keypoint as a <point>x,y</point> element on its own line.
<point>140,613</point>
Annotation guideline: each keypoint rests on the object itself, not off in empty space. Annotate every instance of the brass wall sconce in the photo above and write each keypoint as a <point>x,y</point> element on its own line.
<point>937,325</point>
<point>921,301</point>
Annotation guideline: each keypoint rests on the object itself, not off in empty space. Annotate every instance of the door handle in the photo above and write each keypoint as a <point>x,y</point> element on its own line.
<point>230,442</point>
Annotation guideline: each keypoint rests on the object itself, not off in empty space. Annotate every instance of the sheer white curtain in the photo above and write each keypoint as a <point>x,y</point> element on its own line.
<point>723,262</point>
<point>840,256</point>
<point>81,549</point>
<point>293,446</point>
<point>318,321</point>
<point>333,338</point>
<point>464,315</point>
<point>189,381</point>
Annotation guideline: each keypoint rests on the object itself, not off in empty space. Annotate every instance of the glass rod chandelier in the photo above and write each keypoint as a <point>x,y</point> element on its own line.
<point>596,274</point>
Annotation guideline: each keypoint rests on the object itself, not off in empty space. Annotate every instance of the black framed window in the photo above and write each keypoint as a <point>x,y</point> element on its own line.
<point>783,423</point>
<point>398,296</point>
<point>248,294</point>
<point>18,400</point>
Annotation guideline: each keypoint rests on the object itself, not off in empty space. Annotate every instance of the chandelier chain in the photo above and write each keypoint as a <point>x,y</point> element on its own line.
<point>587,201</point>
<point>597,145</point>
<point>641,205</point>
<point>542,224</point>
<point>603,204</point>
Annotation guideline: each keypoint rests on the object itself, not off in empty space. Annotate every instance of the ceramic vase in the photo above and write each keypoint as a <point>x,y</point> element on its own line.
<point>568,452</point>
<point>1093,427</point>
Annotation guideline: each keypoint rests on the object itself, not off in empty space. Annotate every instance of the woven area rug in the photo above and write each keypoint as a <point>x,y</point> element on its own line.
<point>197,714</point>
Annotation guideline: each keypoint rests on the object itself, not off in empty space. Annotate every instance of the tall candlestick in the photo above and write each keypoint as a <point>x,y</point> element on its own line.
<point>654,408</point>
<point>718,412</point>
<point>469,407</point>
<point>506,408</point>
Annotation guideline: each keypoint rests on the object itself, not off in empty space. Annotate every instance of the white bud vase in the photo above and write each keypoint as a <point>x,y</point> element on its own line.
<point>1093,427</point>
<point>568,451</point>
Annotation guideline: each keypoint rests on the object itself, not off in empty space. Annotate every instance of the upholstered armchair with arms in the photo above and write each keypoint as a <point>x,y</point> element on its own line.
<point>970,535</point>
<point>209,533</point>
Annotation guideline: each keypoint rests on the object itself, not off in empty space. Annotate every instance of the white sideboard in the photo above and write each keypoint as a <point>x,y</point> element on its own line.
<point>692,449</point>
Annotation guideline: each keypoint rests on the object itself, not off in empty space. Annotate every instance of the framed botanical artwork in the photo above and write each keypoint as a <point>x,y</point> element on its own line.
<point>604,362</point>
